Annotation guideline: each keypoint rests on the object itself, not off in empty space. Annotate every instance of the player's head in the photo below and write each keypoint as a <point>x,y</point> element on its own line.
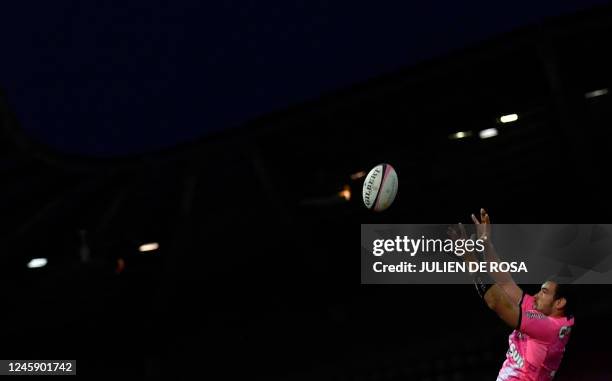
<point>553,299</point>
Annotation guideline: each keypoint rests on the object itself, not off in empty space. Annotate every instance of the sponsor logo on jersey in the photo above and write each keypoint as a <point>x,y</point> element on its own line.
<point>565,330</point>
<point>535,315</point>
<point>514,354</point>
<point>506,373</point>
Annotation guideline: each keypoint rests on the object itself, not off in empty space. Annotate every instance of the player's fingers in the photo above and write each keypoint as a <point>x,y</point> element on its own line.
<point>475,220</point>
<point>454,233</point>
<point>462,230</point>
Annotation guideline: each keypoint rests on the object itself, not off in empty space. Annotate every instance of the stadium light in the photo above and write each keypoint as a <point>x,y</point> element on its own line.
<point>509,118</point>
<point>148,247</point>
<point>345,193</point>
<point>596,93</point>
<point>37,262</point>
<point>488,133</point>
<point>460,135</point>
<point>358,175</point>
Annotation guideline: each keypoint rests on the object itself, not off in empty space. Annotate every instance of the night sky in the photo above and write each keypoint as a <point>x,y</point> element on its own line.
<point>104,80</point>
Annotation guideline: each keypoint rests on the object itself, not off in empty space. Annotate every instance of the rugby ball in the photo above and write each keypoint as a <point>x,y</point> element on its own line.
<point>380,187</point>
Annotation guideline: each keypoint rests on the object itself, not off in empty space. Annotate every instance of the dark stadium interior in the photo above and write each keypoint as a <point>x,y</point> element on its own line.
<point>256,274</point>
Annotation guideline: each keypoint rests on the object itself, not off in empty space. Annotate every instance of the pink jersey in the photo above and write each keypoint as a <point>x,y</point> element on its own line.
<point>537,346</point>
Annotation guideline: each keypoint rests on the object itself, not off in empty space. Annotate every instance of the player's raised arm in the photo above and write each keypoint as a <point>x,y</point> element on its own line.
<point>503,279</point>
<point>499,301</point>
<point>494,295</point>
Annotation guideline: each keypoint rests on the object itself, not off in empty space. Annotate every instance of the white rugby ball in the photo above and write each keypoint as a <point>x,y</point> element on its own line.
<point>380,187</point>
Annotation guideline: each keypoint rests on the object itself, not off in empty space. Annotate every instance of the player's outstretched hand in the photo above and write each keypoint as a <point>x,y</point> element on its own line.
<point>483,227</point>
<point>456,232</point>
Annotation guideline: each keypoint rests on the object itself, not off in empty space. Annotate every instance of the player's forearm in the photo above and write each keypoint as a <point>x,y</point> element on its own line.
<point>470,257</point>
<point>500,277</point>
<point>498,301</point>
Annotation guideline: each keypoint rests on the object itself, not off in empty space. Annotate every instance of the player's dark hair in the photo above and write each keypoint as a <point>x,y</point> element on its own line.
<point>564,290</point>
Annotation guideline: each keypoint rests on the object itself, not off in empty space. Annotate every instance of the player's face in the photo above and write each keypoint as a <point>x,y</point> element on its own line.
<point>543,300</point>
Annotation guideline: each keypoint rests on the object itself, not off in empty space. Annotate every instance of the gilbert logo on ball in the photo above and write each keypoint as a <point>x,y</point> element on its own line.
<point>380,187</point>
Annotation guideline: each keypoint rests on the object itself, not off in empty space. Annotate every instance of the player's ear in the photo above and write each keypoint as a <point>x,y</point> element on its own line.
<point>560,303</point>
